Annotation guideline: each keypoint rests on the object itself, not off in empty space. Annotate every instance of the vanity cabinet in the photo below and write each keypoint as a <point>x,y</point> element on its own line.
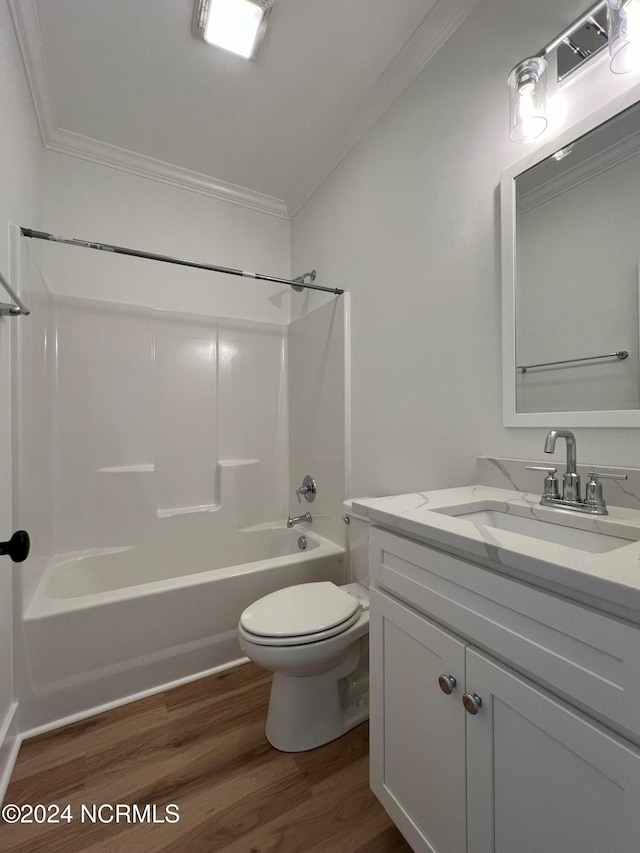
<point>528,771</point>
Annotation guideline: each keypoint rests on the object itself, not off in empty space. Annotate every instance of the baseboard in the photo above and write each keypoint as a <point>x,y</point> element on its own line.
<point>10,741</point>
<point>108,706</point>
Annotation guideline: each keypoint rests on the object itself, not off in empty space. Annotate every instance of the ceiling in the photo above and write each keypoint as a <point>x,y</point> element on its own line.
<point>124,82</point>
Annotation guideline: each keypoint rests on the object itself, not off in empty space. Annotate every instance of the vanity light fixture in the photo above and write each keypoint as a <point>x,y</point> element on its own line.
<point>570,51</point>
<point>528,99</point>
<point>235,25</point>
<point>623,18</point>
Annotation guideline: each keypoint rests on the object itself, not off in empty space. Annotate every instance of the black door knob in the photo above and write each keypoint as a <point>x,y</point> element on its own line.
<point>17,547</point>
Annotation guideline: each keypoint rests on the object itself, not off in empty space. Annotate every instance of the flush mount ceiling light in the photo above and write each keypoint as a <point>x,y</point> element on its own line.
<point>235,25</point>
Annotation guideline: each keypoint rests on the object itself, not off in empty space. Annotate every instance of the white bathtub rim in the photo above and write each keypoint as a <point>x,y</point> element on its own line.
<point>43,605</point>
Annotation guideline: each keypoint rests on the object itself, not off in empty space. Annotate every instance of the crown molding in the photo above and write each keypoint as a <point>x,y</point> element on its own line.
<point>55,138</point>
<point>437,27</point>
<point>76,145</point>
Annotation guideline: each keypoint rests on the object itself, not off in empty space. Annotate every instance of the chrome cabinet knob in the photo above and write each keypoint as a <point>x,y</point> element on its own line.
<point>472,702</point>
<point>447,683</point>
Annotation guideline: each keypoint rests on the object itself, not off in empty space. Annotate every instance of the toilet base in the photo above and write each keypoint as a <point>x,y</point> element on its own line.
<point>306,712</point>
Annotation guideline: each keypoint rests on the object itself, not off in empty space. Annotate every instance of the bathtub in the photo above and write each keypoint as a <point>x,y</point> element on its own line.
<point>104,626</point>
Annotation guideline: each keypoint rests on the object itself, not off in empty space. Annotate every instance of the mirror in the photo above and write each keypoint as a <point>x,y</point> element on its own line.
<point>571,254</point>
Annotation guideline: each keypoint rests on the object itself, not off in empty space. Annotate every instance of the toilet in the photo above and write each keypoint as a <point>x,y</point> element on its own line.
<point>314,637</point>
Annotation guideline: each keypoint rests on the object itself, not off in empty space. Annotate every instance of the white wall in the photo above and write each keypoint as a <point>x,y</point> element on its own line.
<point>409,223</point>
<point>96,203</point>
<point>20,166</point>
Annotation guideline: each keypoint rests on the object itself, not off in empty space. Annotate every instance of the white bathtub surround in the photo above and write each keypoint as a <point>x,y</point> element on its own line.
<point>156,413</point>
<point>609,581</point>
<point>318,412</point>
<point>105,625</point>
<point>33,394</point>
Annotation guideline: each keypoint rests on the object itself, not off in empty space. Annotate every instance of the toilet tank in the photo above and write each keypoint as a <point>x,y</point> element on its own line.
<point>357,546</point>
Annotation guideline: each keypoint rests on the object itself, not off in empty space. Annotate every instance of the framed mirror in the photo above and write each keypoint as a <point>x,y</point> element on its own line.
<point>571,273</point>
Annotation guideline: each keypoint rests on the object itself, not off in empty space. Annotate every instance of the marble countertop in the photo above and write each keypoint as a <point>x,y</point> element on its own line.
<point>608,581</point>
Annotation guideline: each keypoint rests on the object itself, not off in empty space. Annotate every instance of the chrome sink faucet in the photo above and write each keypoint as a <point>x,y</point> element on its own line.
<point>593,502</point>
<point>570,478</point>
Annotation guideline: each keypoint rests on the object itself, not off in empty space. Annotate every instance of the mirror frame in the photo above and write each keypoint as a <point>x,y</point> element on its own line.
<point>510,416</point>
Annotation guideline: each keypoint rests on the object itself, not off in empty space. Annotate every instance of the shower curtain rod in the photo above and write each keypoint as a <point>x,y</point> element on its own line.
<point>297,283</point>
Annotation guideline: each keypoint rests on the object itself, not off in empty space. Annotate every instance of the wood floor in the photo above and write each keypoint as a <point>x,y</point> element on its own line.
<point>201,747</point>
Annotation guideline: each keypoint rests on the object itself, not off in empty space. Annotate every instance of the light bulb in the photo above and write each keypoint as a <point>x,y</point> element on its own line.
<point>233,25</point>
<point>528,99</point>
<point>624,35</point>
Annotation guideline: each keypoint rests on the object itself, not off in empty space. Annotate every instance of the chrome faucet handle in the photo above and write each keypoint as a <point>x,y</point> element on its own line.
<point>550,489</point>
<point>593,496</point>
<point>597,475</point>
<point>308,489</point>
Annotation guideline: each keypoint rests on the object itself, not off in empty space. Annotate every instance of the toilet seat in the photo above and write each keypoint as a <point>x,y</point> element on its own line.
<point>306,613</point>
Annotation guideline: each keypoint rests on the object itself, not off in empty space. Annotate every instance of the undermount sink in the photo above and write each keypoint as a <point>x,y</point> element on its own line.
<point>594,541</point>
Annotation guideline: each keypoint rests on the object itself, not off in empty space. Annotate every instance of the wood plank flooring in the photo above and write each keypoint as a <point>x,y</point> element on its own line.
<point>201,747</point>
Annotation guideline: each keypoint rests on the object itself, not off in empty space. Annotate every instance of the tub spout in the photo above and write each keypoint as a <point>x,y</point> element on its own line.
<point>298,519</point>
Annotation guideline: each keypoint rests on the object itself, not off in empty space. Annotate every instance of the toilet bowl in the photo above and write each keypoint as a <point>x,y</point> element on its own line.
<point>314,637</point>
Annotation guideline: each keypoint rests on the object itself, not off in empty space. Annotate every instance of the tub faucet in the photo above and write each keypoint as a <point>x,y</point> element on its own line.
<point>298,519</point>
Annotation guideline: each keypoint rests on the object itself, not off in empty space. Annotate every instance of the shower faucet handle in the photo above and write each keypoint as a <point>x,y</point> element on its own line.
<point>308,489</point>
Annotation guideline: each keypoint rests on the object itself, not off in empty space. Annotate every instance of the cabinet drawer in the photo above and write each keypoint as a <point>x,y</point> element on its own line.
<point>579,653</point>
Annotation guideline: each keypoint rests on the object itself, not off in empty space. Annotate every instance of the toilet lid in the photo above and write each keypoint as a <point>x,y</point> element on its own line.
<point>296,611</point>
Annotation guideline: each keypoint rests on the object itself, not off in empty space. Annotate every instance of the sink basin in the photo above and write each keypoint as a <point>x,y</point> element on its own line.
<point>594,541</point>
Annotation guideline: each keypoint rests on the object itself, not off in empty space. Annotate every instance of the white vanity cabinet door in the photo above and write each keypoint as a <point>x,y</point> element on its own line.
<point>541,776</point>
<point>417,730</point>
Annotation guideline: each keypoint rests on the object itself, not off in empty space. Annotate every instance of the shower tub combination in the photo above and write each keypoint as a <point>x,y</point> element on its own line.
<point>104,626</point>
<point>152,457</point>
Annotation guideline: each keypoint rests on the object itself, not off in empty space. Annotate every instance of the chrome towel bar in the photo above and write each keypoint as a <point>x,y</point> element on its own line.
<point>621,355</point>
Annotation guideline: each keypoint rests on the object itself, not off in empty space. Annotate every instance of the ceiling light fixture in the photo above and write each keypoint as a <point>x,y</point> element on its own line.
<point>235,25</point>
